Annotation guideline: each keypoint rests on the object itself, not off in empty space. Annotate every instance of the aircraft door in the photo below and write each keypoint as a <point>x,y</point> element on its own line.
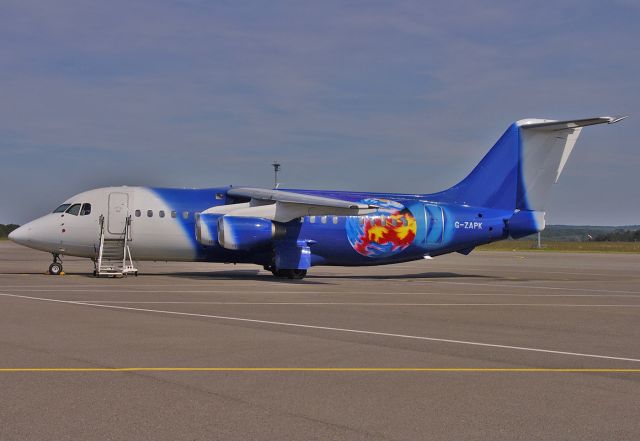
<point>435,224</point>
<point>118,210</point>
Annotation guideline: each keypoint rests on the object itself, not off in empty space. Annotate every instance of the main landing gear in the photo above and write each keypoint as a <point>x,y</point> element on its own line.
<point>293,274</point>
<point>56,267</point>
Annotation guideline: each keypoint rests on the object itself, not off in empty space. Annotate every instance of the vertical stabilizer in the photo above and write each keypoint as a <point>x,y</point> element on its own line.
<point>518,171</point>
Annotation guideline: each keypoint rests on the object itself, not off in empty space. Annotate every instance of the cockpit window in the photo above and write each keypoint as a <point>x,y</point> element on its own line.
<point>74,209</point>
<point>61,208</point>
<point>86,209</point>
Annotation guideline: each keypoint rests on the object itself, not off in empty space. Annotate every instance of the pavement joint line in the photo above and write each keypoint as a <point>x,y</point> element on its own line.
<point>322,369</point>
<point>535,287</point>
<point>493,285</point>
<point>235,291</point>
<point>331,329</point>
<point>159,302</point>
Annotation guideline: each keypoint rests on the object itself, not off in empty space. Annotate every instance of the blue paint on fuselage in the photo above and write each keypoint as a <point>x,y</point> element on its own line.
<point>329,242</point>
<point>191,201</point>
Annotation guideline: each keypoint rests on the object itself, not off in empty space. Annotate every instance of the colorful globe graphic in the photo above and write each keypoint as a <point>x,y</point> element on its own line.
<point>384,233</point>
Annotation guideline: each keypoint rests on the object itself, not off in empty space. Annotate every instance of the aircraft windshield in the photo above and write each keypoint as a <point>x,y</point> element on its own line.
<point>74,209</point>
<point>61,208</point>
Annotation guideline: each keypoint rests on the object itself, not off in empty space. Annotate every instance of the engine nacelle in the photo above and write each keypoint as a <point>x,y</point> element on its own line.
<point>244,233</point>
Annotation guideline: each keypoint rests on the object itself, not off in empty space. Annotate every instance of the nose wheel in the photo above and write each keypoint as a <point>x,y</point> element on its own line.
<point>56,267</point>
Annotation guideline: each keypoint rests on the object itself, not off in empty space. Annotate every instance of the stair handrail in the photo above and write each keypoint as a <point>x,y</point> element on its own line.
<point>127,223</point>
<point>101,247</point>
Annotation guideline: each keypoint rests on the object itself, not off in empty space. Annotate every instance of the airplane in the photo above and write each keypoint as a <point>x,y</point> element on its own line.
<point>287,231</point>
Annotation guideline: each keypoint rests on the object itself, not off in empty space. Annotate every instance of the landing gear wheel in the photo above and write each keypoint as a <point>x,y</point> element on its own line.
<point>55,268</point>
<point>292,274</point>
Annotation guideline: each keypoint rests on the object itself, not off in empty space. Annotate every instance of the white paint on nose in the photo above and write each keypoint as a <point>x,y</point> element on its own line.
<point>19,235</point>
<point>40,234</point>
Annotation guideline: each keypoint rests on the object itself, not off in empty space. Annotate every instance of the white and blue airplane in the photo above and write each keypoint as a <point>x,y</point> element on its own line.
<point>289,231</point>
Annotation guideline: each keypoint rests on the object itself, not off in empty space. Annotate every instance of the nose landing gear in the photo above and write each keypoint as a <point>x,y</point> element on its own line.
<point>56,267</point>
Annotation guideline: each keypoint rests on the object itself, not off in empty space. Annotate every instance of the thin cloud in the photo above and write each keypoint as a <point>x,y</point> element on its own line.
<point>405,96</point>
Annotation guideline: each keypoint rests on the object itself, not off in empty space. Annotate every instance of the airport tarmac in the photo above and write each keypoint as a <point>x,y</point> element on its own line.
<point>494,345</point>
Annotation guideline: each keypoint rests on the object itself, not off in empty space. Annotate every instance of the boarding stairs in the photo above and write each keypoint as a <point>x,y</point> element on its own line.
<point>114,255</point>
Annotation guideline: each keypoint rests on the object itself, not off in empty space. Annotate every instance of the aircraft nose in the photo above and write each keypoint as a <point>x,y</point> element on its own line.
<point>19,235</point>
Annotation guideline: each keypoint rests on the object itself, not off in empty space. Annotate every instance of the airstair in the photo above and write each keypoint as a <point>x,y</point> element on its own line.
<point>114,255</point>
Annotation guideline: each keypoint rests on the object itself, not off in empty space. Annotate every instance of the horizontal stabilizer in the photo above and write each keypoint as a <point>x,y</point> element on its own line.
<point>550,124</point>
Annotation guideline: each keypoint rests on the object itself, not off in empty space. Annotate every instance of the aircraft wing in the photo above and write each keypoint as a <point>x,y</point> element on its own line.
<point>283,206</point>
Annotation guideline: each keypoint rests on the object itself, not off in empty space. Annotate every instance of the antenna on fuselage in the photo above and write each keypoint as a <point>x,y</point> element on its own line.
<point>276,169</point>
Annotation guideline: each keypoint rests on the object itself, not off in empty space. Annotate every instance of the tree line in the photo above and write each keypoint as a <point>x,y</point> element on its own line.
<point>619,235</point>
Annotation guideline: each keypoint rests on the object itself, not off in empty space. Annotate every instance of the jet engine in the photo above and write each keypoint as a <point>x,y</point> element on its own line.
<point>206,229</point>
<point>244,233</point>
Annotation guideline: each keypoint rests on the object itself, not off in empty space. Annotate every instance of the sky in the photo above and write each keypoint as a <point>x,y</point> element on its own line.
<point>398,96</point>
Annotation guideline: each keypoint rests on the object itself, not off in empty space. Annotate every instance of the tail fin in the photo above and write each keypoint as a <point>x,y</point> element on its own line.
<point>518,171</point>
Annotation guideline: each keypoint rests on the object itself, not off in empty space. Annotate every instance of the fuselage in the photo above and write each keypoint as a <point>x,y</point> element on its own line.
<point>164,227</point>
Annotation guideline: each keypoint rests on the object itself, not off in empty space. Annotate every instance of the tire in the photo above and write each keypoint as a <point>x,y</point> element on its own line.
<point>291,274</point>
<point>55,269</point>
<point>297,274</point>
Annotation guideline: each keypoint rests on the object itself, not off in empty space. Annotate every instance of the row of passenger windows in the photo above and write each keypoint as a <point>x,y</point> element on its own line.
<point>379,220</point>
<point>323,219</point>
<point>161,213</point>
<point>74,209</point>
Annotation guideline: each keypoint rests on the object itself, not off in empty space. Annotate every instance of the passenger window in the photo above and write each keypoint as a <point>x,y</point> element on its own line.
<point>173,214</point>
<point>149,213</point>
<point>61,208</point>
<point>86,209</point>
<point>138,213</point>
<point>335,220</point>
<point>74,209</point>
<point>394,223</point>
<point>383,220</point>
<point>312,219</point>
<point>361,220</point>
<point>323,219</point>
<point>185,215</point>
<point>302,220</point>
<point>161,213</point>
<point>404,222</point>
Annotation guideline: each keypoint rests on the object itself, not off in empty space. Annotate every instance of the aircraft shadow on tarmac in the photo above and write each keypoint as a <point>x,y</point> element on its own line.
<point>428,275</point>
<point>312,278</point>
